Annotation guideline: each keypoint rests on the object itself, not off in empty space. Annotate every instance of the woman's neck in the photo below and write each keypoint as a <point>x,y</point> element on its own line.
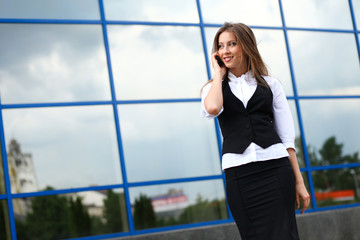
<point>238,71</point>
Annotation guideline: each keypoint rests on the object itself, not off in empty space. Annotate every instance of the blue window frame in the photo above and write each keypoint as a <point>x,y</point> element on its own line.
<point>309,170</point>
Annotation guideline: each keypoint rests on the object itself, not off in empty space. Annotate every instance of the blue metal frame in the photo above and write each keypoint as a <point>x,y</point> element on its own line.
<point>356,32</point>
<point>9,197</point>
<point>117,124</point>
<point>208,64</point>
<point>7,177</point>
<point>302,133</point>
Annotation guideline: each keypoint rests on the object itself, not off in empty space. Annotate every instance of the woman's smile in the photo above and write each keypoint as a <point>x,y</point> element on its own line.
<point>227,59</point>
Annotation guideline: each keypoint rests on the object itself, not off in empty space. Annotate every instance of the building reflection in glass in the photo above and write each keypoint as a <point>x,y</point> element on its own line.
<point>181,203</point>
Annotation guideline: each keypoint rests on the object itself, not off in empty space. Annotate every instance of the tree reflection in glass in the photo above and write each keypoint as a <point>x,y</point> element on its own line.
<point>335,186</point>
<point>70,215</point>
<point>4,221</point>
<point>324,119</point>
<point>175,204</point>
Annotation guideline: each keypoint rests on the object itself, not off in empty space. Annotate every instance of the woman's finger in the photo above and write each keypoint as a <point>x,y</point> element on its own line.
<point>306,201</point>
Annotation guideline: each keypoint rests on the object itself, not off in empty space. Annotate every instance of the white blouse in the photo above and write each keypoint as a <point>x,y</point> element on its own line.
<point>243,88</point>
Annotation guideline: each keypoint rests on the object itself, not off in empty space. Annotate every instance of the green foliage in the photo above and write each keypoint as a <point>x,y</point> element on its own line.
<point>144,215</point>
<point>49,218</point>
<point>112,212</point>
<point>59,217</point>
<point>4,221</point>
<point>80,223</point>
<point>331,202</point>
<point>203,210</point>
<point>97,225</point>
<point>331,153</point>
<point>21,230</point>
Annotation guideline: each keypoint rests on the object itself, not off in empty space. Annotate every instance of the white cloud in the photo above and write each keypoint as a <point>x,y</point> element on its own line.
<point>149,63</point>
<point>317,14</point>
<point>62,63</point>
<point>172,136</point>
<point>247,11</point>
<point>145,10</point>
<point>324,67</point>
<point>323,118</point>
<point>71,147</point>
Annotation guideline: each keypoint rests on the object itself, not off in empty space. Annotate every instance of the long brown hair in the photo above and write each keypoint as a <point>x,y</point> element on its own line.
<point>246,38</point>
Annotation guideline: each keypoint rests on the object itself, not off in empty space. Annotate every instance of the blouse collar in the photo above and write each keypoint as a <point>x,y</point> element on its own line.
<point>245,77</point>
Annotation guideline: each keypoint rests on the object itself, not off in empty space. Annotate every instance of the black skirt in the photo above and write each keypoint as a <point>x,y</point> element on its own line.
<point>261,197</point>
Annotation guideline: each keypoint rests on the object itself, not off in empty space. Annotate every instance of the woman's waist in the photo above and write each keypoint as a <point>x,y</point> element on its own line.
<point>254,153</point>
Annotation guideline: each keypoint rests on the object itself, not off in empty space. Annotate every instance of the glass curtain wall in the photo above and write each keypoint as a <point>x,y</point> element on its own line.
<point>100,126</point>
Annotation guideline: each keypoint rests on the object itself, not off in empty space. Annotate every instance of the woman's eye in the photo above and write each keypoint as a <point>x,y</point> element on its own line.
<point>220,46</point>
<point>233,44</point>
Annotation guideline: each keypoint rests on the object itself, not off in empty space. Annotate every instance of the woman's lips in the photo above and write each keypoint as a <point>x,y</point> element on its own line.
<point>227,59</point>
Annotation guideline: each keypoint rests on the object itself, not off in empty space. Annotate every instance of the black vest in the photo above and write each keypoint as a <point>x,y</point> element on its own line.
<point>240,126</point>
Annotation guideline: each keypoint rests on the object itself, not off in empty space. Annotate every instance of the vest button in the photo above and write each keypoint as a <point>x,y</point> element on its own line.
<point>247,126</point>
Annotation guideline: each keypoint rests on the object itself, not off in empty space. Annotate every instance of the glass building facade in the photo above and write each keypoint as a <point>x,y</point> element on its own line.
<point>100,125</point>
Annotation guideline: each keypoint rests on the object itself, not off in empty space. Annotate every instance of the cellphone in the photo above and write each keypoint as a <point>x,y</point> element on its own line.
<point>220,62</point>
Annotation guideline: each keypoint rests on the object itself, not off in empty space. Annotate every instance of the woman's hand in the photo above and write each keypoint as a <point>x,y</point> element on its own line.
<point>301,192</point>
<point>302,195</point>
<point>214,100</point>
<point>218,71</point>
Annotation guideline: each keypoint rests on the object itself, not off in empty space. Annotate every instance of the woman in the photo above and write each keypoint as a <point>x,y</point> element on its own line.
<point>263,179</point>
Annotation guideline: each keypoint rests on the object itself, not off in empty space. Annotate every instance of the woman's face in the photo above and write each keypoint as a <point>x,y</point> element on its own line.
<point>232,54</point>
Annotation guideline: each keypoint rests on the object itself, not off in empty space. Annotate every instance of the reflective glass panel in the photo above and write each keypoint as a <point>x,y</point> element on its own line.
<point>317,14</point>
<point>264,12</point>
<point>4,221</point>
<point>356,9</point>
<point>271,44</point>
<point>154,11</point>
<point>64,9</point>
<point>336,186</point>
<point>52,63</point>
<point>170,140</point>
<point>332,130</point>
<point>2,179</point>
<point>325,63</point>
<point>298,142</point>
<point>175,204</point>
<point>157,62</point>
<point>70,215</point>
<point>61,147</point>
